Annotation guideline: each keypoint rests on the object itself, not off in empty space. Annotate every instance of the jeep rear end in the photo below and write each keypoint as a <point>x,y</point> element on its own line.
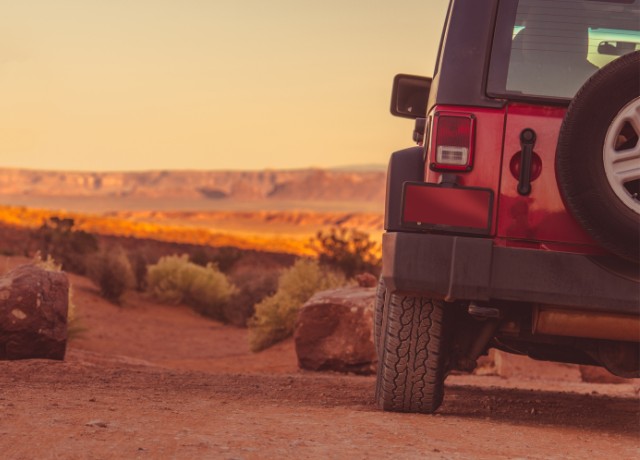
<point>489,240</point>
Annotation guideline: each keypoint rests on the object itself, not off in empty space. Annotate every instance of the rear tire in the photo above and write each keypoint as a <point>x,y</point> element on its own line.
<point>378,313</point>
<point>598,157</point>
<point>413,362</point>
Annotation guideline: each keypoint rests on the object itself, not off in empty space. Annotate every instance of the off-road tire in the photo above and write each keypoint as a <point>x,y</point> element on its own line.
<point>412,365</point>
<point>378,313</point>
<point>580,168</point>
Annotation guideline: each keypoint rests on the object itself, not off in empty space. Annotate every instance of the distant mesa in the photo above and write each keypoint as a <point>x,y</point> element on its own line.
<point>278,189</point>
<point>312,185</point>
<point>373,167</point>
<point>212,193</point>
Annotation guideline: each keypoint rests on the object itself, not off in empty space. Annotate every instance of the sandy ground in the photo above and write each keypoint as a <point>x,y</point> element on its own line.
<point>149,381</point>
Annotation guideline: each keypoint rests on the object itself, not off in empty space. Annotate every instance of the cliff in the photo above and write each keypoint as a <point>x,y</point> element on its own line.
<point>284,185</point>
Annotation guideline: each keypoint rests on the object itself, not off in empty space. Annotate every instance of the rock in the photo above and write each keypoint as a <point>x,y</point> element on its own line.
<point>595,374</point>
<point>366,280</point>
<point>97,424</point>
<point>334,331</point>
<point>508,365</point>
<point>33,313</point>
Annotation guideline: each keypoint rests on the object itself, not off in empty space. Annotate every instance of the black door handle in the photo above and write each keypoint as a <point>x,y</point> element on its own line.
<point>527,141</point>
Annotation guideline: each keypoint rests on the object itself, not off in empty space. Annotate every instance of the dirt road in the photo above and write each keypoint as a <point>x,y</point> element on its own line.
<point>148,381</point>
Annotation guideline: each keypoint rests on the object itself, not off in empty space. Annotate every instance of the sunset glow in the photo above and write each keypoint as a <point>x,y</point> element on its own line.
<point>158,84</point>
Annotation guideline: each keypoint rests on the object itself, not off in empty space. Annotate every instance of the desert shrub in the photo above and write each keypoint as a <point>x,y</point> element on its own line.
<point>174,280</point>
<point>349,250</point>
<point>169,279</point>
<point>141,258</point>
<point>71,248</point>
<point>139,265</point>
<point>200,256</point>
<point>275,316</point>
<point>224,258</point>
<point>254,285</point>
<point>47,263</point>
<point>111,271</point>
<point>74,328</point>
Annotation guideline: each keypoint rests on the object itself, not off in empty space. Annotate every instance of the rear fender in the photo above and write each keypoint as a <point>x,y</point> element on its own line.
<point>404,166</point>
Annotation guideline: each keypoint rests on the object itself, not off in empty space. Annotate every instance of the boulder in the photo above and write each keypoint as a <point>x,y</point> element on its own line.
<point>33,313</point>
<point>508,365</point>
<point>595,374</point>
<point>366,280</point>
<point>334,331</point>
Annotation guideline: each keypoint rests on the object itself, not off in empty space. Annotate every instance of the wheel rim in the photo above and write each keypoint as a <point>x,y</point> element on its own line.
<point>621,155</point>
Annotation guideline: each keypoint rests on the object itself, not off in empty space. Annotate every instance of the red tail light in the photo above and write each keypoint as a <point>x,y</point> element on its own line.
<point>452,141</point>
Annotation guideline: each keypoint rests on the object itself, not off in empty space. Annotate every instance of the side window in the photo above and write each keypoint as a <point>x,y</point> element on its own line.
<point>555,46</point>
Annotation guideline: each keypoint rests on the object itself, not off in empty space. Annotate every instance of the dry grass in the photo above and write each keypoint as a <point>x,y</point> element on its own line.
<point>74,326</point>
<point>275,316</point>
<point>111,271</point>
<point>175,280</point>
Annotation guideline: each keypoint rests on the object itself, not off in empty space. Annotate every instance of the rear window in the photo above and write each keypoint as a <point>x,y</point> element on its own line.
<point>549,48</point>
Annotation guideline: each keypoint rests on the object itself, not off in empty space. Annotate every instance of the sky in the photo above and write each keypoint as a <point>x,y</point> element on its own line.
<point>127,85</point>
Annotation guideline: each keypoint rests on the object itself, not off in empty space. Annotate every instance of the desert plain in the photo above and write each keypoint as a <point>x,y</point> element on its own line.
<point>144,380</point>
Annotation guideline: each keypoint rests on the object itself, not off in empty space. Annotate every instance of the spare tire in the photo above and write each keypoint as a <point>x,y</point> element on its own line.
<point>598,157</point>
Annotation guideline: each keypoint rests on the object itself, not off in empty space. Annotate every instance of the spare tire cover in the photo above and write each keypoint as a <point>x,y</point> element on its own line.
<point>598,157</point>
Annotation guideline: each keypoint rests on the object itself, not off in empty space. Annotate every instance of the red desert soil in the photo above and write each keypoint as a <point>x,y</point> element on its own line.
<point>150,381</point>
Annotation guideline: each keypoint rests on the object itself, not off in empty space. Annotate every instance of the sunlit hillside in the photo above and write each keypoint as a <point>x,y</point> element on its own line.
<point>286,232</point>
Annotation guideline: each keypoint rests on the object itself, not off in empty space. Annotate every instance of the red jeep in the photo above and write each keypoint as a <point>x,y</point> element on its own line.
<point>515,223</point>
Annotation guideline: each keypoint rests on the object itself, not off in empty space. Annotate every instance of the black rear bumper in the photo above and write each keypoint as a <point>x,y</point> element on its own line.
<point>467,268</point>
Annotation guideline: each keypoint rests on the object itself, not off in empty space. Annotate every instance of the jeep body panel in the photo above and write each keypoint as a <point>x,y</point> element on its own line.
<point>541,215</point>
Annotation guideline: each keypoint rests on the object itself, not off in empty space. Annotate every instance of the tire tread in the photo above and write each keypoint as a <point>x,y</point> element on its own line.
<point>411,366</point>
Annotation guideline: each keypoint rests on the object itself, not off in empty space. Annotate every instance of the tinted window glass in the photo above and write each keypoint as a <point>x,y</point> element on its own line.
<point>549,48</point>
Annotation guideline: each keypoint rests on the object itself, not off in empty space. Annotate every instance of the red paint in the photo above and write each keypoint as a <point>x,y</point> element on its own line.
<point>541,215</point>
<point>516,162</point>
<point>485,172</point>
<point>538,220</point>
<point>447,206</point>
